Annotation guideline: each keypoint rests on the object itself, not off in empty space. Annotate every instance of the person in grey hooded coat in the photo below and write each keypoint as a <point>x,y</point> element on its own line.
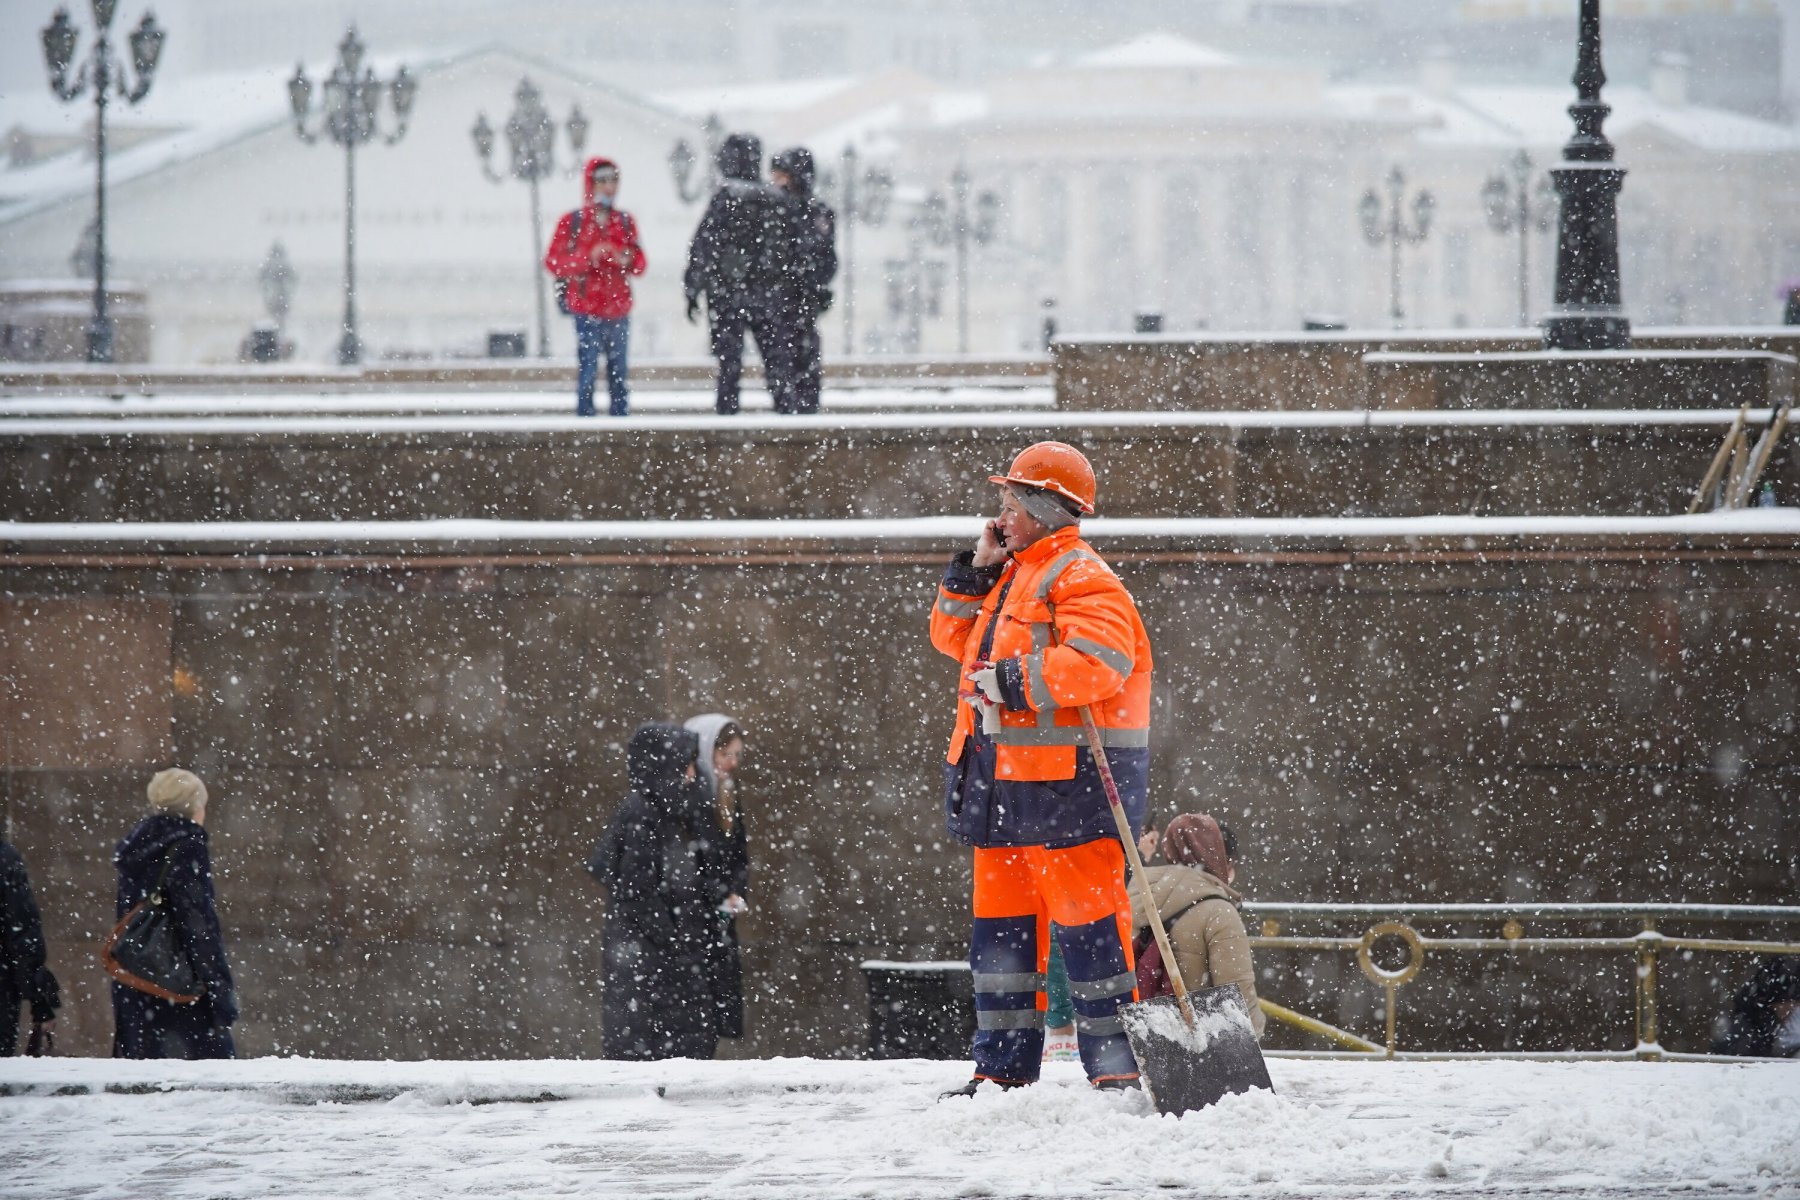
<point>662,909</point>
<point>725,857</point>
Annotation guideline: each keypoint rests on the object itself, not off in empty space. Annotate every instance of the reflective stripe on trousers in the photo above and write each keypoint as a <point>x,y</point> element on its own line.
<point>1018,891</point>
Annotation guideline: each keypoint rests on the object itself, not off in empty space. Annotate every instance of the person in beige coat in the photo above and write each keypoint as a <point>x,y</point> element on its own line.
<point>1193,893</point>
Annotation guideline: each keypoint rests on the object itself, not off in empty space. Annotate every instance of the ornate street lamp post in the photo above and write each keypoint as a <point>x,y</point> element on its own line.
<point>276,279</point>
<point>1395,230</point>
<point>863,196</point>
<point>1512,207</point>
<point>683,159</point>
<point>1587,314</point>
<point>949,220</point>
<point>101,73</point>
<point>915,287</point>
<point>347,108</point>
<point>531,144</point>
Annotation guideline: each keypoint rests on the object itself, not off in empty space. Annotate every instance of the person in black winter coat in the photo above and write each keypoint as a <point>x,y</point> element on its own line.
<point>23,975</point>
<point>724,855</point>
<point>736,261</point>
<point>805,292</point>
<point>662,913</point>
<point>1764,1021</point>
<point>174,834</point>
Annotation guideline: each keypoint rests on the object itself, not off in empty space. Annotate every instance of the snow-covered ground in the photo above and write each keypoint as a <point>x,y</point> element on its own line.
<point>810,1128</point>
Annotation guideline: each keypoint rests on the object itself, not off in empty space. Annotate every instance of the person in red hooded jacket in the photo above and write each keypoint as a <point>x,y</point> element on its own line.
<point>593,255</point>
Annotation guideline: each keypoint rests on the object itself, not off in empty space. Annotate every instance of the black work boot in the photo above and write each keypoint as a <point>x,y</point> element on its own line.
<point>970,1088</point>
<point>1118,1083</point>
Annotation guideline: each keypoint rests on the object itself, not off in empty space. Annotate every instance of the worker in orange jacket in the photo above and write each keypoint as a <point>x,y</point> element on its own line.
<point>1040,626</point>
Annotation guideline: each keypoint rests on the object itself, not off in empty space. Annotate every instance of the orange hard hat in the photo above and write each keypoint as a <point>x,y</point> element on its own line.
<point>1056,467</point>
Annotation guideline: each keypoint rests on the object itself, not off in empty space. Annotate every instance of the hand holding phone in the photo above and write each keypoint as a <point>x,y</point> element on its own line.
<point>990,547</point>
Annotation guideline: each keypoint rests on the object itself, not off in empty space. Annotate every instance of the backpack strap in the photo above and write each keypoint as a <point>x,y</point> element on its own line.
<point>1169,921</point>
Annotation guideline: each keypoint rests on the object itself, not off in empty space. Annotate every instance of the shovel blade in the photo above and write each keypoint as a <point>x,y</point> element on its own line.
<point>1186,1069</point>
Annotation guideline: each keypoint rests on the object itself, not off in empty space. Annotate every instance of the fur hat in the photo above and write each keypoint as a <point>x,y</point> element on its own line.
<point>177,791</point>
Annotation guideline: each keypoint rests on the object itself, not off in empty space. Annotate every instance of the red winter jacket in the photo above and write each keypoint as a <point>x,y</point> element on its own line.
<point>596,289</point>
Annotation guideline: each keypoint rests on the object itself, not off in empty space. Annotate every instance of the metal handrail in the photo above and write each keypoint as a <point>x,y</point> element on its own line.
<point>1545,911</point>
<point>1391,921</point>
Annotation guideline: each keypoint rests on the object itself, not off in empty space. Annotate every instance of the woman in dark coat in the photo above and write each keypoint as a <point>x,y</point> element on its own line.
<point>174,834</point>
<point>725,856</point>
<point>23,975</point>
<point>662,908</point>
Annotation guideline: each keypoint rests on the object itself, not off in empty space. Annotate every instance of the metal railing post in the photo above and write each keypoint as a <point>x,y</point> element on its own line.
<point>1648,1048</point>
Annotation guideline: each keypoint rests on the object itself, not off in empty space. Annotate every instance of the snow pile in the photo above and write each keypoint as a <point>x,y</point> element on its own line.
<point>807,1128</point>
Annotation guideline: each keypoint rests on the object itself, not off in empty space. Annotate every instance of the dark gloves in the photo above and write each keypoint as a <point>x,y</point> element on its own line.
<point>224,1009</point>
<point>693,308</point>
<point>46,995</point>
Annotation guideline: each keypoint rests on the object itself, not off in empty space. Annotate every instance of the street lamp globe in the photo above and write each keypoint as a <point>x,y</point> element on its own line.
<point>1369,209</point>
<point>1424,204</point>
<point>59,46</point>
<point>577,126</point>
<point>300,96</point>
<point>1494,197</point>
<point>146,46</point>
<point>405,87</point>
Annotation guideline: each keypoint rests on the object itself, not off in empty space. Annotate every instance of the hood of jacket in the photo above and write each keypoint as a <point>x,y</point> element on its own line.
<point>707,726</point>
<point>656,763</point>
<point>740,156</point>
<point>1175,887</point>
<point>587,177</point>
<point>148,844</point>
<point>798,163</point>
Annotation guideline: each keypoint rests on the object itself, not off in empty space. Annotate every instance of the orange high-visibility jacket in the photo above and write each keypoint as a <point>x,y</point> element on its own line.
<point>1102,655</point>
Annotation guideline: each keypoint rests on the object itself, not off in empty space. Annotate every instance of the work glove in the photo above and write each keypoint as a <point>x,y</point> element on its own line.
<point>693,309</point>
<point>986,699</point>
<point>987,682</point>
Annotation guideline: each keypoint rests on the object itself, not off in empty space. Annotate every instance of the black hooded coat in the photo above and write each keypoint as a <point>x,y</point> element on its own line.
<point>23,975</point>
<point>662,916</point>
<point>807,276</point>
<point>144,1026</point>
<point>745,241</point>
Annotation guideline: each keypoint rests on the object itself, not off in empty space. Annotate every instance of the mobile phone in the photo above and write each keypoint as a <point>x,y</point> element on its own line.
<point>999,533</point>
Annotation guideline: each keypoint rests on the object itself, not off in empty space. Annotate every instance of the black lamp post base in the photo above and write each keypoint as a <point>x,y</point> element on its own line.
<point>1587,331</point>
<point>349,350</point>
<point>100,341</point>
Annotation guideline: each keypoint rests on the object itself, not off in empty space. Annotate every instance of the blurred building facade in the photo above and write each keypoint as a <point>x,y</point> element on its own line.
<point>1216,190</point>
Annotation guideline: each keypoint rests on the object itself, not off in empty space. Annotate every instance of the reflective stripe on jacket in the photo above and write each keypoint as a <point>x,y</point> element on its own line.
<point>1100,656</point>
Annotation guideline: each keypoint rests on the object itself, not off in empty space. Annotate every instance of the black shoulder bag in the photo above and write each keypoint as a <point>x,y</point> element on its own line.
<point>144,949</point>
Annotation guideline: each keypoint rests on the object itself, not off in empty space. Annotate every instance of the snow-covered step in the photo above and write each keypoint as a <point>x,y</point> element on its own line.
<point>536,402</point>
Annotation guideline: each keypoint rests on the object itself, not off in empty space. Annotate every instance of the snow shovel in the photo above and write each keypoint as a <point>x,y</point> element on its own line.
<point>1192,1048</point>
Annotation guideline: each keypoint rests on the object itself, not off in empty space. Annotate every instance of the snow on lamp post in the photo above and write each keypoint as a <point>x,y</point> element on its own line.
<point>531,154</point>
<point>863,194</point>
<point>349,100</point>
<point>1512,207</point>
<point>1395,230</point>
<point>1587,313</point>
<point>949,221</point>
<point>101,74</point>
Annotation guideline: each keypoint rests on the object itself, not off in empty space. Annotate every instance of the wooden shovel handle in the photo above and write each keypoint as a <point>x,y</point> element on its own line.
<point>1711,479</point>
<point>1098,750</point>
